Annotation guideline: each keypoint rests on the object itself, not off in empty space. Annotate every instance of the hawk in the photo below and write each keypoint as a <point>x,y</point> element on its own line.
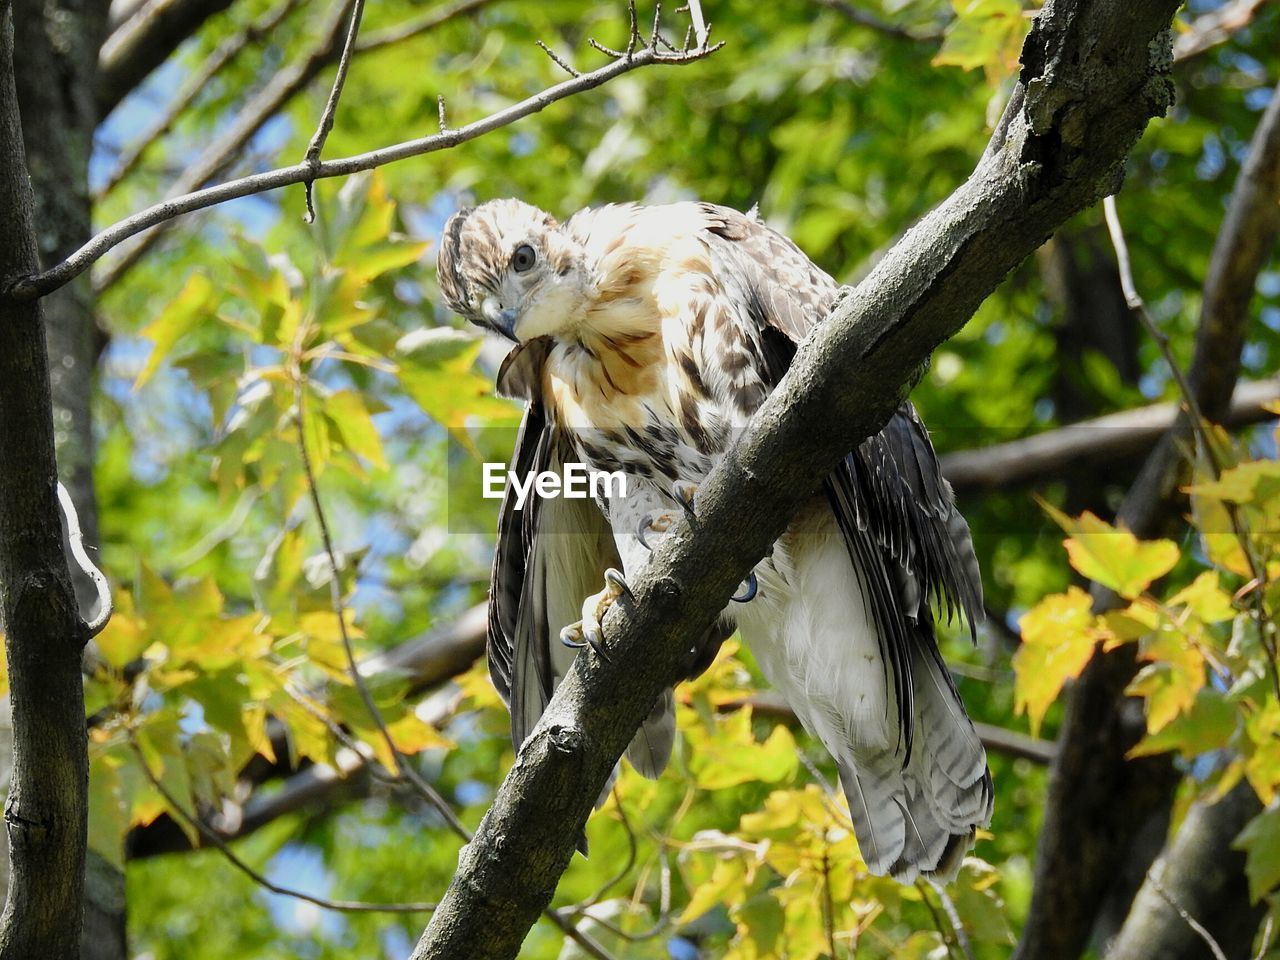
<point>645,336</point>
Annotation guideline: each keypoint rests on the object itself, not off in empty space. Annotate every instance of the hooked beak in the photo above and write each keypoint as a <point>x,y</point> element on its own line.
<point>500,319</point>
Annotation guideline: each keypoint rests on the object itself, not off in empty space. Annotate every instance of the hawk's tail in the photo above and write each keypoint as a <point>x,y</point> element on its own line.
<point>921,819</point>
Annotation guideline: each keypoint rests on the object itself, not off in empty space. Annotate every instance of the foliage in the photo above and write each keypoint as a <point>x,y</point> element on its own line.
<point>1209,682</point>
<point>249,330</point>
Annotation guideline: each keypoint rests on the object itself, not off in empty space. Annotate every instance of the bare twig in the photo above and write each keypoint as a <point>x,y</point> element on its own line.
<point>558,61</point>
<point>1187,918</point>
<point>31,287</point>
<point>211,835</point>
<point>444,125</point>
<point>228,50</point>
<point>314,148</point>
<point>75,540</point>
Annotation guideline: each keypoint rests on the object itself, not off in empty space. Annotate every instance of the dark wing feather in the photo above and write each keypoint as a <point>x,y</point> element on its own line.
<point>510,559</point>
<point>895,509</point>
<point>549,557</point>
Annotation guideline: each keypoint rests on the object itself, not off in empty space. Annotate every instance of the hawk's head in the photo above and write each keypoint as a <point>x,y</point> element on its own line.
<point>507,266</point>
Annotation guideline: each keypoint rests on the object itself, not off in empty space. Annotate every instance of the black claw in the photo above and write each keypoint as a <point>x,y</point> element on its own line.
<point>753,587</point>
<point>571,644</point>
<point>596,641</point>
<point>618,580</point>
<point>684,497</point>
<point>645,523</point>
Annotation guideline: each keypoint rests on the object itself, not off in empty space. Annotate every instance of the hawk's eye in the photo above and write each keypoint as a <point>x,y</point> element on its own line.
<point>523,258</point>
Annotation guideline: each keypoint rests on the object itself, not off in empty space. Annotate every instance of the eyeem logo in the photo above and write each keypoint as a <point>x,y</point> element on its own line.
<point>576,482</point>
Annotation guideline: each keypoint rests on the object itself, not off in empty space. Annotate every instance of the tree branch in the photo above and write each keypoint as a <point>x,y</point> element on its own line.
<point>1089,444</point>
<point>37,285</point>
<point>197,824</point>
<point>316,146</point>
<point>1098,798</point>
<point>1093,74</point>
<point>198,82</point>
<point>46,812</point>
<point>1217,26</point>
<point>1198,875</point>
<point>146,40</point>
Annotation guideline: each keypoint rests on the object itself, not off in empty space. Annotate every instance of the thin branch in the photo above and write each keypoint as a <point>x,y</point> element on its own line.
<point>1200,425</point>
<point>31,287</point>
<point>953,917</point>
<point>1217,26</point>
<point>558,61</point>
<point>75,540</point>
<point>211,835</point>
<point>198,82</point>
<point>1097,791</point>
<point>1187,918</point>
<point>314,148</point>
<point>416,27</point>
<point>144,41</point>
<point>828,903</point>
<point>869,20</point>
<point>403,769</point>
<point>945,932</point>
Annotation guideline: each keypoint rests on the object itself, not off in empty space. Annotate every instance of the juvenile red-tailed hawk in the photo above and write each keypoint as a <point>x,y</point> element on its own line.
<point>646,336</point>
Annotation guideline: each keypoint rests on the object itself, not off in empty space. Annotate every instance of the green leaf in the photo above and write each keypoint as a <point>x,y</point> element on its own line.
<point>1260,841</point>
<point>346,410</point>
<point>986,34</point>
<point>1114,557</point>
<point>186,310</point>
<point>1208,725</point>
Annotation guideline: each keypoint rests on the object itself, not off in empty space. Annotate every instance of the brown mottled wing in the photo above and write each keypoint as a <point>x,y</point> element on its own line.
<point>895,509</point>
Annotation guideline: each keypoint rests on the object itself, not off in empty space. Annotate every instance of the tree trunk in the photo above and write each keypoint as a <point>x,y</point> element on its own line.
<point>55,72</point>
<point>46,810</point>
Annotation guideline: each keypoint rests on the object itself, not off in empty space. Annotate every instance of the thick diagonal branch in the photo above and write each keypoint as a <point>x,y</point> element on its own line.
<point>1093,74</point>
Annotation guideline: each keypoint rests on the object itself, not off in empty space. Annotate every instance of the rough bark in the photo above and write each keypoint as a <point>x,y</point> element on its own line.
<point>46,810</point>
<point>55,72</point>
<point>1205,878</point>
<point>1093,74</point>
<point>1098,799</point>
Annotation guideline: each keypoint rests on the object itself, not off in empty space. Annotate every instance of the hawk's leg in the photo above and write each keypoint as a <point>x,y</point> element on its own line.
<point>587,631</point>
<point>660,521</point>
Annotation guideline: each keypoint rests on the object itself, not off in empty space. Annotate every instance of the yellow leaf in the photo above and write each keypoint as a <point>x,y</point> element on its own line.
<point>1058,637</point>
<point>1114,557</point>
<point>1171,680</point>
<point>1205,598</point>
